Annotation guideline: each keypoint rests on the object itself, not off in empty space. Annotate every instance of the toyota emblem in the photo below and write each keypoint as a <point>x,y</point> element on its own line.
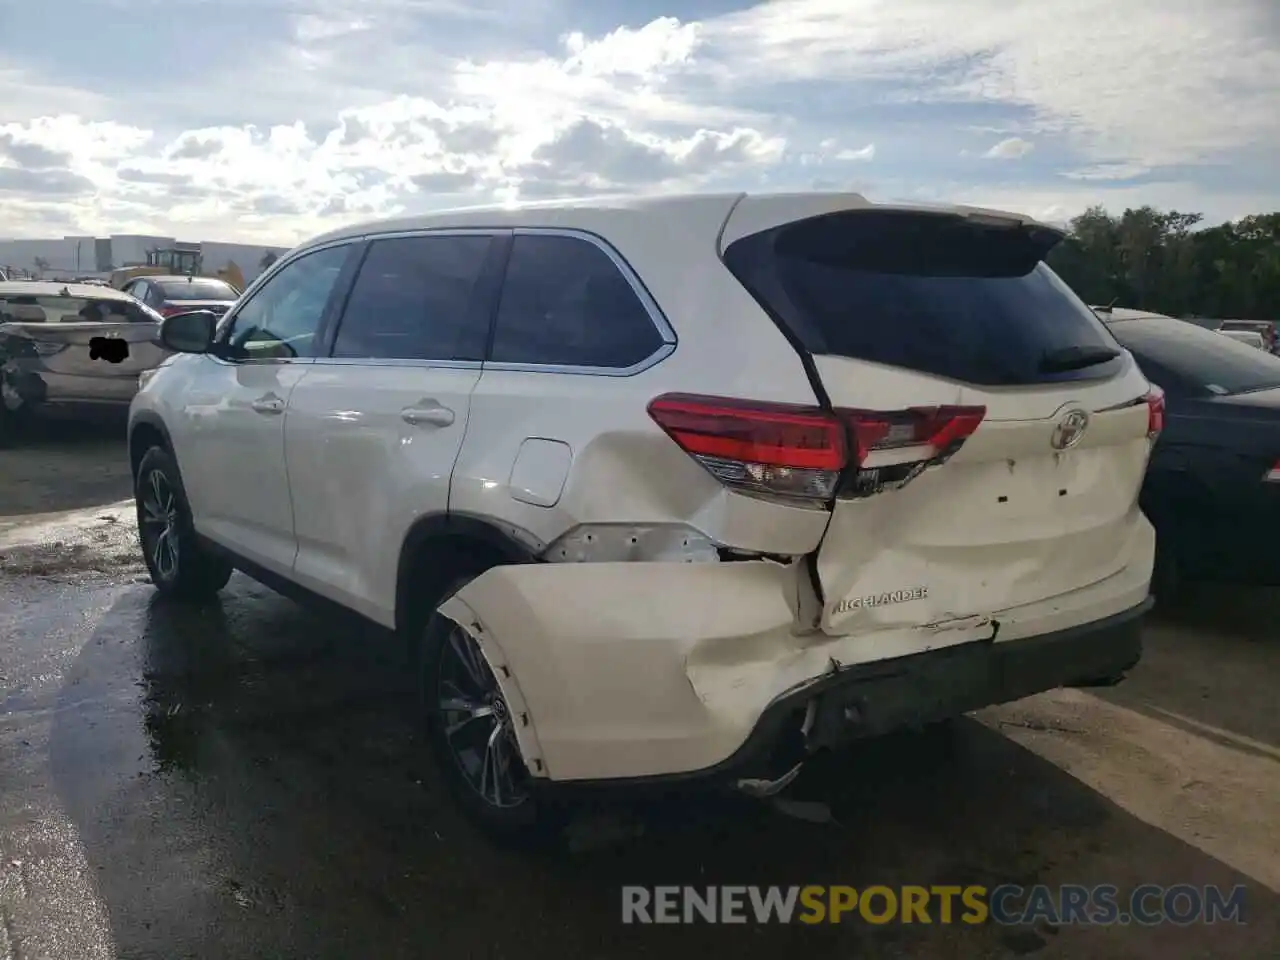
<point>1069,429</point>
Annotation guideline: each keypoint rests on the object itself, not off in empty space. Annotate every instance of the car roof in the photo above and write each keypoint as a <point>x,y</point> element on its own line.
<point>51,288</point>
<point>594,214</point>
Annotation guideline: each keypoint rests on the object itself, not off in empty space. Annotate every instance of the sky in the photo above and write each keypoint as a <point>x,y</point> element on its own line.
<point>268,121</point>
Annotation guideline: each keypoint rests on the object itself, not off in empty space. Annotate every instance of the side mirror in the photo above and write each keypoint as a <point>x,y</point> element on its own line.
<point>190,332</point>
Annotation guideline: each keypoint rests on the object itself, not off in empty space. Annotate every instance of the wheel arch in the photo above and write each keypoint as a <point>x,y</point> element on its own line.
<point>146,430</point>
<point>440,546</point>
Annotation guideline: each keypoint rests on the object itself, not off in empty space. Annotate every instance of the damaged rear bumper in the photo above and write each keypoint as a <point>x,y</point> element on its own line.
<point>665,673</point>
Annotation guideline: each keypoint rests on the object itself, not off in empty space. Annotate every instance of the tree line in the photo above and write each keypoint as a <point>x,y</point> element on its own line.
<point>1168,263</point>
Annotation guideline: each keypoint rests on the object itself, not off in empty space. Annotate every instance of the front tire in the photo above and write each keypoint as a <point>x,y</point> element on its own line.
<point>180,567</point>
<point>471,733</point>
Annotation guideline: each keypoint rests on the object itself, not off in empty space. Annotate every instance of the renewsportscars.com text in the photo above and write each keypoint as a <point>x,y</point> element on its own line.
<point>1008,904</point>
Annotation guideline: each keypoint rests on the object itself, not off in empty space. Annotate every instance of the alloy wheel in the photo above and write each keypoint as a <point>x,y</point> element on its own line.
<point>477,724</point>
<point>160,525</point>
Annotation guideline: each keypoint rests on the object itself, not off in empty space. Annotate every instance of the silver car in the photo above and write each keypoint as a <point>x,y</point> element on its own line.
<point>70,346</point>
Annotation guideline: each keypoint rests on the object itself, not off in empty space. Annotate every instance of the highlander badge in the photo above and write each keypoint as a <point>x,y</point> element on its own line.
<point>881,599</point>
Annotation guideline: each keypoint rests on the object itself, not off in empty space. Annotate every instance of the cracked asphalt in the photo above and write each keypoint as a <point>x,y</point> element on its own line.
<point>245,780</point>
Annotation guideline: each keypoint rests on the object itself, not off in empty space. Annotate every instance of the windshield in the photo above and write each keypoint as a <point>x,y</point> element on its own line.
<point>197,289</point>
<point>1216,363</point>
<point>27,308</point>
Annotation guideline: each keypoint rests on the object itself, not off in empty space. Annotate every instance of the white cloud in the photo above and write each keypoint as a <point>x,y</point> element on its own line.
<point>1151,81</point>
<point>1108,171</point>
<point>863,153</point>
<point>335,110</point>
<point>1012,149</point>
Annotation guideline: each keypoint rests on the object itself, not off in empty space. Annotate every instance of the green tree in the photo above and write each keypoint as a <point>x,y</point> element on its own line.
<point>1167,262</point>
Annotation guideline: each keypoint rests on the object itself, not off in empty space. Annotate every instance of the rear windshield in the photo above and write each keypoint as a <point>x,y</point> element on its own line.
<point>1208,360</point>
<point>936,294</point>
<point>197,290</point>
<point>25,308</point>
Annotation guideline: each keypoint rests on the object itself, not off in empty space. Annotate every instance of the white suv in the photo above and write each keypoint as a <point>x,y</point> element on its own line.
<point>670,488</point>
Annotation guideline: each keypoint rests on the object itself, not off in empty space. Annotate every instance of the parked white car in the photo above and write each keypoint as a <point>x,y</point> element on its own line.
<point>1250,337</point>
<point>672,488</point>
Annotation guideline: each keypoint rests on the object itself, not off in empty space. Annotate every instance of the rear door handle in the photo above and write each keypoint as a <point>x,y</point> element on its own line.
<point>432,415</point>
<point>268,404</point>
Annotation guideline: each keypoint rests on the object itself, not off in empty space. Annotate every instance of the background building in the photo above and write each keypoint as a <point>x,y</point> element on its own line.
<point>73,257</point>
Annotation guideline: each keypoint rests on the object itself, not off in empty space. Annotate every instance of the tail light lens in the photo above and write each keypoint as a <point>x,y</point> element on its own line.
<point>1155,412</point>
<point>798,452</point>
<point>771,449</point>
<point>925,433</point>
<point>1272,475</point>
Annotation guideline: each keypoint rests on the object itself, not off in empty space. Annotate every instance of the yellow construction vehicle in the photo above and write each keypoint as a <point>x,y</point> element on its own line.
<point>173,261</point>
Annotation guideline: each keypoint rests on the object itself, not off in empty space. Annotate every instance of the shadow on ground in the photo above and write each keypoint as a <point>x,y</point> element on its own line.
<point>246,781</point>
<point>1212,660</point>
<point>58,464</point>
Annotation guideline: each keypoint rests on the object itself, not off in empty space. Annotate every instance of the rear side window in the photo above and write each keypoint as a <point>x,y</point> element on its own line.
<point>566,303</point>
<point>935,294</point>
<point>415,299</point>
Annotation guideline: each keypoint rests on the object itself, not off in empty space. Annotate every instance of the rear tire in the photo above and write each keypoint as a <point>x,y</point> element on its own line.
<point>180,567</point>
<point>471,734</point>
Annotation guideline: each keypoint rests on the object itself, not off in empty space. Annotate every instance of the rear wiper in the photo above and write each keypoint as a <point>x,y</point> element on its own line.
<point>1075,358</point>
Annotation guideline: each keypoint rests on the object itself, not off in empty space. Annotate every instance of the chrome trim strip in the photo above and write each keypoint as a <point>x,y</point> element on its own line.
<point>396,362</point>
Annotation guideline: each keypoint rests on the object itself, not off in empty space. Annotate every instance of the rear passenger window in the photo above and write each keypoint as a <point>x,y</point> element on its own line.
<point>414,299</point>
<point>565,303</point>
<point>936,294</point>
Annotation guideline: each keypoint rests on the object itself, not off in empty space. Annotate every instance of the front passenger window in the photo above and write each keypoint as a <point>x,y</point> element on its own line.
<point>282,319</point>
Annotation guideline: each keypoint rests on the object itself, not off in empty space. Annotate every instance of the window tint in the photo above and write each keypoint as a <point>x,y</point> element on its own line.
<point>565,302</point>
<point>196,288</point>
<point>282,317</point>
<point>414,300</point>
<point>1213,362</point>
<point>937,294</point>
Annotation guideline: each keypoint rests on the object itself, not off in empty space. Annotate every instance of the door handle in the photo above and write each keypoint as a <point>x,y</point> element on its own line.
<point>268,404</point>
<point>432,415</point>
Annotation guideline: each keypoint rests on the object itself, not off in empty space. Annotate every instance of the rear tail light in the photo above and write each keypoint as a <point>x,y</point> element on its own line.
<point>1272,475</point>
<point>1155,412</point>
<point>799,452</point>
<point>168,310</point>
<point>923,433</point>
<point>771,449</point>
